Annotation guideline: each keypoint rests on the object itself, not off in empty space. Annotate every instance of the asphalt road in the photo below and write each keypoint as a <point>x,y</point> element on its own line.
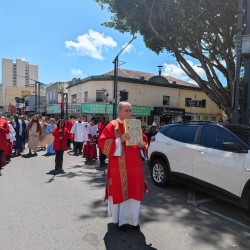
<point>42,211</point>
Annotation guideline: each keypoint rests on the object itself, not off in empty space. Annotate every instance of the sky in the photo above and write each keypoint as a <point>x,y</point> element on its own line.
<point>66,39</point>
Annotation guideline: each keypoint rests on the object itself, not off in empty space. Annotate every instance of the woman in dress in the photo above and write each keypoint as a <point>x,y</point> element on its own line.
<point>61,135</point>
<point>34,133</point>
<point>49,129</point>
<point>42,142</point>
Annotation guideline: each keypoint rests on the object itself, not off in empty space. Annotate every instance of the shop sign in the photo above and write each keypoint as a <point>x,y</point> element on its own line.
<point>74,108</point>
<point>94,108</point>
<point>169,111</point>
<point>141,110</point>
<point>53,109</point>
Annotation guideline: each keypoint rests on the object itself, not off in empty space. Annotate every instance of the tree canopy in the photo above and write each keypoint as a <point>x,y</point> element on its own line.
<point>204,30</point>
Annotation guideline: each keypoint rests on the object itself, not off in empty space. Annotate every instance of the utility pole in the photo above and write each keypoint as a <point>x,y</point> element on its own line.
<point>115,62</point>
<point>238,45</point>
<point>246,86</point>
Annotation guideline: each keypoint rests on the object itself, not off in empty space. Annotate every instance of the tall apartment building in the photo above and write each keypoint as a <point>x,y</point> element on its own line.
<point>18,80</point>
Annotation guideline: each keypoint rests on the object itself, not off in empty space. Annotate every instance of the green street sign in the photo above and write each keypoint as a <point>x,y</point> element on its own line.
<point>96,108</point>
<point>141,110</point>
<point>53,109</point>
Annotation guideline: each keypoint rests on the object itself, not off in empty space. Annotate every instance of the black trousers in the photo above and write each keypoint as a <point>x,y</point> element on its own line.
<point>78,146</point>
<point>102,157</point>
<point>1,158</point>
<point>68,143</point>
<point>59,159</point>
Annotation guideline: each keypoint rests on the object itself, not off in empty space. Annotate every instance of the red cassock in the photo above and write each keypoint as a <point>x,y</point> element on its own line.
<point>91,146</point>
<point>69,125</point>
<point>3,140</point>
<point>125,176</point>
<point>60,144</point>
<point>100,128</point>
<point>7,151</point>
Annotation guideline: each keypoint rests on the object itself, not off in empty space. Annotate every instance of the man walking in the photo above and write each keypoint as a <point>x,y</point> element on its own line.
<point>125,177</point>
<point>79,132</point>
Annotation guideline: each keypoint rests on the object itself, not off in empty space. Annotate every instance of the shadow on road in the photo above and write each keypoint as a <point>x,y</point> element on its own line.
<point>131,239</point>
<point>168,206</point>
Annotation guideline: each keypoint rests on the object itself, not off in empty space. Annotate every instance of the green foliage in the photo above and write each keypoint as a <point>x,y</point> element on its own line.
<point>204,30</point>
<point>19,99</point>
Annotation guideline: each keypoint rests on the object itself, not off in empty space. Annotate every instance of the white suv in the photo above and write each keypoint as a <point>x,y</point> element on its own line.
<point>211,156</point>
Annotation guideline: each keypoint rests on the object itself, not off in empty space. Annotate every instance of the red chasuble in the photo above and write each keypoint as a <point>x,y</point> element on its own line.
<point>125,176</point>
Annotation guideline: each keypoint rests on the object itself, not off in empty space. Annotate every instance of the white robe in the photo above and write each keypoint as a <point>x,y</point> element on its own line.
<point>79,131</point>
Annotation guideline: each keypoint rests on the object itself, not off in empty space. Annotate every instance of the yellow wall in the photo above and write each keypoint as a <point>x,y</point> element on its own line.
<point>12,92</point>
<point>149,95</point>
<point>211,110</point>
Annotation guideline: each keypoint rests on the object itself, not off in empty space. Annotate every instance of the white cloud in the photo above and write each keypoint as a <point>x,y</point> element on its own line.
<point>128,49</point>
<point>76,72</point>
<point>91,44</point>
<point>176,72</point>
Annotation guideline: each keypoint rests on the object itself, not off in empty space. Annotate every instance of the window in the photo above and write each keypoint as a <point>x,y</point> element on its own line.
<point>168,131</point>
<point>54,94</point>
<point>212,137</point>
<point>100,95</point>
<point>185,134</point>
<point>166,100</point>
<point>123,96</point>
<point>74,98</point>
<point>86,96</point>
<point>195,103</point>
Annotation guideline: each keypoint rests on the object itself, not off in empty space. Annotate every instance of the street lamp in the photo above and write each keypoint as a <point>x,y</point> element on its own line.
<point>115,62</point>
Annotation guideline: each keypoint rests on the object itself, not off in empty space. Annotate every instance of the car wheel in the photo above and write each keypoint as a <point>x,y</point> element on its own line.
<point>160,173</point>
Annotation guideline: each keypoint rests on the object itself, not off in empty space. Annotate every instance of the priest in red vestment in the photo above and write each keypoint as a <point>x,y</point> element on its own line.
<point>125,176</point>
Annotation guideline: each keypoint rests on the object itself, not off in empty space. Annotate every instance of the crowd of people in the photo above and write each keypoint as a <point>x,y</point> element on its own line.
<point>54,136</point>
<point>125,176</point>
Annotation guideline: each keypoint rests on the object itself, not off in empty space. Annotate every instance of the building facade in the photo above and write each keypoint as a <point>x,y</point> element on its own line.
<point>54,92</point>
<point>18,79</point>
<point>169,99</point>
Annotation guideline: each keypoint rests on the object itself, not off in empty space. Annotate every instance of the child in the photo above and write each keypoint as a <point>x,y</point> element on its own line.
<point>61,135</point>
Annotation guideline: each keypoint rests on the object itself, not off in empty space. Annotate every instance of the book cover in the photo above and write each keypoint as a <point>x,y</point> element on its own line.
<point>133,128</point>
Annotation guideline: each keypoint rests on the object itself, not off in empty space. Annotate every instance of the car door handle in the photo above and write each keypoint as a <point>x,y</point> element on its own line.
<point>201,151</point>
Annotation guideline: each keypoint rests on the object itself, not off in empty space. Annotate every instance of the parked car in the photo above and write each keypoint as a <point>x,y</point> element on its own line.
<point>213,157</point>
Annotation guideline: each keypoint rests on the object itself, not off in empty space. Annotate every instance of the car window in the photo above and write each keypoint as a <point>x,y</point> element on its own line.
<point>244,135</point>
<point>213,137</point>
<point>168,130</point>
<point>185,134</point>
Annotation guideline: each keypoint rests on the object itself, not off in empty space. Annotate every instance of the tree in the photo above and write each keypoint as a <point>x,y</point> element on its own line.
<point>202,30</point>
<point>20,99</point>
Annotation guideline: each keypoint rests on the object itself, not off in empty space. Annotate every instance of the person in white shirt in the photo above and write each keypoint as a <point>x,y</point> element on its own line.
<point>79,132</point>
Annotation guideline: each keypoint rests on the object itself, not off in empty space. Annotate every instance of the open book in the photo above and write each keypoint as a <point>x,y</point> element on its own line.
<point>133,128</point>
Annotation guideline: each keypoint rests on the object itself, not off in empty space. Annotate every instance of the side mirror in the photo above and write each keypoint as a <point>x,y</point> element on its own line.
<point>232,147</point>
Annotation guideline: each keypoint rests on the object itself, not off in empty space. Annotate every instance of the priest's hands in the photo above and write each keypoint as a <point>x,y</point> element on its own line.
<point>125,137</point>
<point>141,145</point>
